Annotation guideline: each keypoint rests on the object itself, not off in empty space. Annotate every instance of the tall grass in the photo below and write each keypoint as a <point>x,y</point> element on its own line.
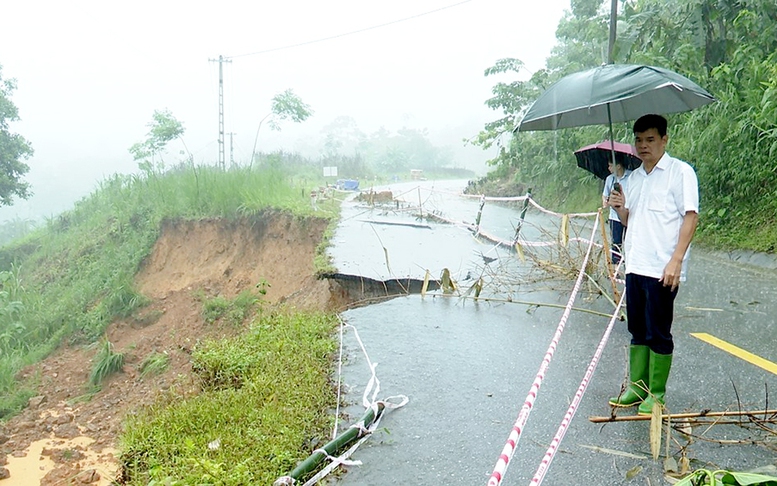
<point>73,275</point>
<point>105,363</point>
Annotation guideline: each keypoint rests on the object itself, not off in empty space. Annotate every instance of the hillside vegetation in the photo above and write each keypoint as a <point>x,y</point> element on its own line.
<point>66,282</point>
<point>728,47</point>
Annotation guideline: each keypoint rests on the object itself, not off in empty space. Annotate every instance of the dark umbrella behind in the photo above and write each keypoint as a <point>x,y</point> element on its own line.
<point>595,158</point>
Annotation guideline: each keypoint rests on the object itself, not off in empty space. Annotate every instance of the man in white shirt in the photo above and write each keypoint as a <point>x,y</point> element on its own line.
<point>660,208</point>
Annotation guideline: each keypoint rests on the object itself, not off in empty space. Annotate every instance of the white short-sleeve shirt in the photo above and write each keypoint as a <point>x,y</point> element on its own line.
<point>657,203</point>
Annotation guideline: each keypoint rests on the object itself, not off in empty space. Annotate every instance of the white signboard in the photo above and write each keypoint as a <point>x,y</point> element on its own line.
<point>330,171</point>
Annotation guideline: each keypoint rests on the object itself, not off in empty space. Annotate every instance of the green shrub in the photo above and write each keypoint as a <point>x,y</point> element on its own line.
<point>215,308</point>
<point>233,311</point>
<point>105,363</point>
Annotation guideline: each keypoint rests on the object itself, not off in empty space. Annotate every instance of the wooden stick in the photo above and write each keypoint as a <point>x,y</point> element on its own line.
<point>532,304</point>
<point>394,223</point>
<point>631,418</point>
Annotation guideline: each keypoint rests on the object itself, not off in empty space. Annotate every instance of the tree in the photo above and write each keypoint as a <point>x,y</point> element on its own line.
<point>14,149</point>
<point>286,105</point>
<point>342,136</point>
<point>163,129</point>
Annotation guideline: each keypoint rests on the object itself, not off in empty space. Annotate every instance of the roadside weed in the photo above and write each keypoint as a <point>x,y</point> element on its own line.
<point>234,311</point>
<point>702,477</point>
<point>154,364</point>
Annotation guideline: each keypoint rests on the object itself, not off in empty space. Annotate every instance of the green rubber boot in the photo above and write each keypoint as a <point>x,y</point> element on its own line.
<point>639,361</point>
<point>659,373</point>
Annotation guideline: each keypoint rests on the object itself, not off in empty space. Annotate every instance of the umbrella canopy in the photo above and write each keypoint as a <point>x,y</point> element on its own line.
<point>594,158</point>
<point>613,93</point>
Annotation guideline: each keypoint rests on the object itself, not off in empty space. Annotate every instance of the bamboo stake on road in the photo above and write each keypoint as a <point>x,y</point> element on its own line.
<point>607,257</point>
<point>631,418</point>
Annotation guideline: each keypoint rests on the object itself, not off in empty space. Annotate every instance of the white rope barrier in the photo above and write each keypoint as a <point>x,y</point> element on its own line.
<point>553,213</point>
<point>369,401</point>
<point>476,196</point>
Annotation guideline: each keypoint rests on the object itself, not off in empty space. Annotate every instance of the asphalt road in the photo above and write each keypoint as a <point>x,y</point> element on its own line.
<point>468,366</point>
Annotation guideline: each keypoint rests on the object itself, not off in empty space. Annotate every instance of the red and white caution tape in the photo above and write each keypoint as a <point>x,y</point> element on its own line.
<point>562,429</point>
<point>512,441</point>
<point>553,213</point>
<point>476,196</point>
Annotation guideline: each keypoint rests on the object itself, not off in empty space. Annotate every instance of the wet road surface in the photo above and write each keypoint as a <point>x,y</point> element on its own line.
<point>467,366</point>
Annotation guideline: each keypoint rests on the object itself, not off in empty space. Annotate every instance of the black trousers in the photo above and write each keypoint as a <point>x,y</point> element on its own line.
<point>650,312</point>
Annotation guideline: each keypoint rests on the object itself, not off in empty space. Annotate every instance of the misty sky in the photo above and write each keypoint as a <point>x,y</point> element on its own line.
<point>91,73</point>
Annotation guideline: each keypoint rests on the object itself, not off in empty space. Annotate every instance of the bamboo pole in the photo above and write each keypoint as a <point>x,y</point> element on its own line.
<point>523,215</point>
<point>608,259</point>
<point>632,418</point>
<point>331,448</point>
<point>420,204</point>
<point>480,213</point>
<point>393,223</point>
<point>535,304</point>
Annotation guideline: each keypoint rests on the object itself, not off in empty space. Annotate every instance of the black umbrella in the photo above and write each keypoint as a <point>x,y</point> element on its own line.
<point>612,93</point>
<point>595,158</point>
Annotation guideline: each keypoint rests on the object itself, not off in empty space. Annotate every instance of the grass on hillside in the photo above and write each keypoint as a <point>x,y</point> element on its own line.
<point>155,363</point>
<point>106,363</point>
<point>233,311</point>
<point>70,278</point>
<point>264,395</point>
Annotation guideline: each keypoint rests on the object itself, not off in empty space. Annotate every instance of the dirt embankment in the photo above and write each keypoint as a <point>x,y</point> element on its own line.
<point>66,437</point>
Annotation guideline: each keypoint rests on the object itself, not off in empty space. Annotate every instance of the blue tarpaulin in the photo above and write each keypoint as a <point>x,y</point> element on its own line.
<point>348,184</point>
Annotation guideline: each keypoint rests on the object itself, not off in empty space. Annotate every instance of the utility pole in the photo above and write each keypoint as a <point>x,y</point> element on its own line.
<point>231,150</point>
<point>613,28</point>
<point>221,60</point>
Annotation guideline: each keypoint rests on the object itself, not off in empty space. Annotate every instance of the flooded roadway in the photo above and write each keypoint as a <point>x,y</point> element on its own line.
<point>467,366</point>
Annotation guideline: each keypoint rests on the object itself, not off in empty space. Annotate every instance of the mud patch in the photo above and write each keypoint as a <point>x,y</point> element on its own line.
<point>228,257</point>
<point>56,461</point>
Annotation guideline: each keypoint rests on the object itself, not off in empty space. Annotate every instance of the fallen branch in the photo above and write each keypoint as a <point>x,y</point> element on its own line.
<point>532,304</point>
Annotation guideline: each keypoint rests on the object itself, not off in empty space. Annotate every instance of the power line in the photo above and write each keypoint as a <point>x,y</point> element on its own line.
<point>323,39</point>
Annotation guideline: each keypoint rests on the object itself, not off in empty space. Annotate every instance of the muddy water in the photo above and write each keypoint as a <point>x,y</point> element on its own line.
<point>30,469</point>
<point>467,366</point>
